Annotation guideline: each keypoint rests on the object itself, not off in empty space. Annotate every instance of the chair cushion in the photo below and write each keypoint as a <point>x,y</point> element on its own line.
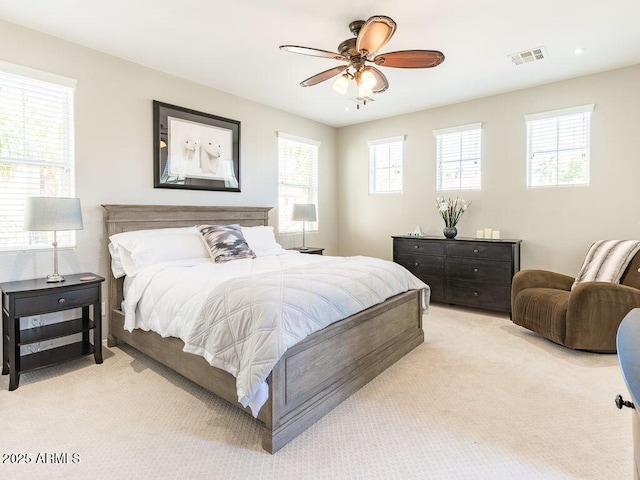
<point>544,311</point>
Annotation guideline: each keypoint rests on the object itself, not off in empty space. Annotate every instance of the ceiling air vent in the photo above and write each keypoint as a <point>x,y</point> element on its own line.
<point>528,56</point>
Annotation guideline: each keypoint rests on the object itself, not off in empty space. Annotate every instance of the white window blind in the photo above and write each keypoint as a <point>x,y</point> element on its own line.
<point>459,157</point>
<point>385,165</point>
<point>36,150</point>
<point>298,179</point>
<point>558,147</point>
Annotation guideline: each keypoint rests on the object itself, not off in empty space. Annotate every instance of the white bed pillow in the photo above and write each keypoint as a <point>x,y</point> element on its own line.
<point>131,251</point>
<point>262,240</point>
<point>116,261</point>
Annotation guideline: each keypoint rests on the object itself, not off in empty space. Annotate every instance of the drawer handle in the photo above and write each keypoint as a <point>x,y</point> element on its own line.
<point>475,270</point>
<point>475,250</point>
<point>416,246</point>
<point>620,402</point>
<point>475,294</point>
<point>417,264</point>
<point>61,301</point>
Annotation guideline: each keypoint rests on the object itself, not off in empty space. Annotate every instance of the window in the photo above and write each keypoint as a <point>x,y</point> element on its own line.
<point>385,165</point>
<point>36,150</point>
<point>298,179</point>
<point>459,157</point>
<point>558,147</point>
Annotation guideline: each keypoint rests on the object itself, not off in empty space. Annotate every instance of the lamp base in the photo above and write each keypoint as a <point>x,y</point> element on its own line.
<point>303,248</point>
<point>55,278</point>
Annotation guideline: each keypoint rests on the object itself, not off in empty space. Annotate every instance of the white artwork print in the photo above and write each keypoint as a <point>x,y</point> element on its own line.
<point>200,151</point>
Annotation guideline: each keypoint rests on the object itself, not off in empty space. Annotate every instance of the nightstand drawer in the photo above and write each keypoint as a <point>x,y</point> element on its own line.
<point>52,302</point>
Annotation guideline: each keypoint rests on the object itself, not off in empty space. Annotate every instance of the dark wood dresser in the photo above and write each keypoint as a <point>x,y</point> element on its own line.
<point>462,271</point>
<point>628,341</point>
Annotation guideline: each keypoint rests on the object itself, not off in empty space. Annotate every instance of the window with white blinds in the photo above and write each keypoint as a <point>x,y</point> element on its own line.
<point>459,157</point>
<point>298,179</point>
<point>558,147</point>
<point>36,150</point>
<point>385,165</point>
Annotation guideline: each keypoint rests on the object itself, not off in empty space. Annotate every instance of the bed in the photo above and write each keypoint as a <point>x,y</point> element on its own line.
<point>314,375</point>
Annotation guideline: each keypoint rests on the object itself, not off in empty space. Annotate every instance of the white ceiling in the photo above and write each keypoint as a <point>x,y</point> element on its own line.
<point>233,45</point>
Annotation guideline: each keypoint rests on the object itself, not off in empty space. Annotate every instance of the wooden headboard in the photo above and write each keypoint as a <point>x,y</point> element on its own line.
<point>126,218</point>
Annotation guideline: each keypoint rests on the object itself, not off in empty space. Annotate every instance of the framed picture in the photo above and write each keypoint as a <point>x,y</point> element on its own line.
<point>194,150</point>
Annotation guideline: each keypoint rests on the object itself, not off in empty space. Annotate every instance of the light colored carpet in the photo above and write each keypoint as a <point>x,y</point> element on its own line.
<point>481,399</point>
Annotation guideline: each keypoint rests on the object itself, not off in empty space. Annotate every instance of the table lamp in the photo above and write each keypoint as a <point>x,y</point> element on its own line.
<point>304,212</point>
<point>53,214</point>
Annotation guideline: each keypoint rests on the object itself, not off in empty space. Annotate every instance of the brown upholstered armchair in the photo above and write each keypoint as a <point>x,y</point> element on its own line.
<point>585,318</point>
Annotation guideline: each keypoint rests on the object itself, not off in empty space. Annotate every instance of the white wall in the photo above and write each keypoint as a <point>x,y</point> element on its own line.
<point>114,162</point>
<point>556,225</point>
<point>114,155</point>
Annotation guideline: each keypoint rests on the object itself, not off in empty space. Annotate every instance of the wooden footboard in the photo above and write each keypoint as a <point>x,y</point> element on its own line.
<point>313,376</point>
<point>327,367</point>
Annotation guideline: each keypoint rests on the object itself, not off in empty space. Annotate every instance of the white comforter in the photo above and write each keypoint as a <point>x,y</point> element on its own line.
<point>243,315</point>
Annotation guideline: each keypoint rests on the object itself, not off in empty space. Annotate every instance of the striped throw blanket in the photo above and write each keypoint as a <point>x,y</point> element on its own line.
<point>607,260</point>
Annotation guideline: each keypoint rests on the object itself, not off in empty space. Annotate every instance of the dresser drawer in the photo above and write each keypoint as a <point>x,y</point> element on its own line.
<point>492,297</point>
<point>484,271</point>
<point>53,302</point>
<point>480,250</point>
<point>421,264</point>
<point>415,246</point>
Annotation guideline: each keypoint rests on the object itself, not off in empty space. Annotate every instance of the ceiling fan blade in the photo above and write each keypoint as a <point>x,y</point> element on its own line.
<point>313,52</point>
<point>381,81</point>
<point>322,76</point>
<point>410,59</point>
<point>375,34</point>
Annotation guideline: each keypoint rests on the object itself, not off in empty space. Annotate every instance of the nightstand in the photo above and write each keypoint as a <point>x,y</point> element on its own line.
<point>311,250</point>
<point>37,297</point>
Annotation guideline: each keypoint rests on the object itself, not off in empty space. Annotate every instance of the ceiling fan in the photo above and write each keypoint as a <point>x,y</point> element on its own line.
<point>370,36</point>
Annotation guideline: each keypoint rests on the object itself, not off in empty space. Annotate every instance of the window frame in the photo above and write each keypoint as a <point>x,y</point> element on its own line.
<point>61,91</point>
<point>440,135</point>
<point>286,226</point>
<point>374,169</point>
<point>530,119</point>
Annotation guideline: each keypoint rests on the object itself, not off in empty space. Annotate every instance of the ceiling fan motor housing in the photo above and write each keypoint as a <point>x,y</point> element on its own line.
<point>355,26</point>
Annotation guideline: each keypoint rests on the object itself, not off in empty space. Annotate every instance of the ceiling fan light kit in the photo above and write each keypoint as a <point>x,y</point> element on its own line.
<point>370,37</point>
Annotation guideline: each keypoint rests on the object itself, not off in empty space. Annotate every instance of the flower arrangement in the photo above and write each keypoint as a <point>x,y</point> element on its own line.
<point>451,209</point>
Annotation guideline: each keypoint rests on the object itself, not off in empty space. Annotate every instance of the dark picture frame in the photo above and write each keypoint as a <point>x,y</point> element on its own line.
<point>194,150</point>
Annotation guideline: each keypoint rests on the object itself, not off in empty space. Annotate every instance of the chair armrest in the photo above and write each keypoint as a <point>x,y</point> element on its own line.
<point>538,279</point>
<point>595,312</point>
<point>612,293</point>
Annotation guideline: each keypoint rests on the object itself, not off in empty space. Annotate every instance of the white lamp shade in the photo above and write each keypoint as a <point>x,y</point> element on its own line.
<point>304,212</point>
<point>341,84</point>
<point>368,80</point>
<point>52,214</point>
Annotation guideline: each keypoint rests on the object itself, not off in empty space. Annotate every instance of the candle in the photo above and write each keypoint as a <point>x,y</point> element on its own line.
<point>496,234</point>
<point>487,233</point>
<point>479,233</point>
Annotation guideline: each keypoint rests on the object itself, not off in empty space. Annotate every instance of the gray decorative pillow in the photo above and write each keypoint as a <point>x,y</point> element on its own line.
<point>225,242</point>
